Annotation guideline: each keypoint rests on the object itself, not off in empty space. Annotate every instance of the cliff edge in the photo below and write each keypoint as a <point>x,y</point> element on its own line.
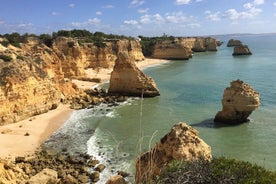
<point>181,143</point>
<point>183,48</point>
<point>35,77</point>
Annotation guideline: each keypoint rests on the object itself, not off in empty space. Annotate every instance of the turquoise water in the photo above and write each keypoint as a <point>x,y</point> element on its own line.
<point>191,91</point>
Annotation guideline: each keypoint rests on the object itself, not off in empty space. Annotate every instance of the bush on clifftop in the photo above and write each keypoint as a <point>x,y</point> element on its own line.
<point>148,43</point>
<point>83,36</point>
<point>15,39</point>
<point>219,170</point>
<point>5,58</point>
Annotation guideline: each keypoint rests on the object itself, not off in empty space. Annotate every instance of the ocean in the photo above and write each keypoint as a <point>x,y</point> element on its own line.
<point>191,91</point>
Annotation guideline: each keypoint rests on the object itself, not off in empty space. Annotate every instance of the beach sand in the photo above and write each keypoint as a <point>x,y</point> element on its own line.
<point>104,74</point>
<point>25,137</point>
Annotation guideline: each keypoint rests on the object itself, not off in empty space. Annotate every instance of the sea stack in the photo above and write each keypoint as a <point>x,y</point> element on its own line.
<point>241,50</point>
<point>181,143</point>
<point>233,43</point>
<point>127,79</point>
<point>239,101</point>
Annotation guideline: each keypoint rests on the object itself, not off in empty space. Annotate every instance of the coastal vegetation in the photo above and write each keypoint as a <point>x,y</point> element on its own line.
<point>148,43</point>
<point>83,36</point>
<point>218,170</point>
<point>5,58</point>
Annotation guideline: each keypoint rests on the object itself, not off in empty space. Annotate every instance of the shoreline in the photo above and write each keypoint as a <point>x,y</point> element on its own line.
<point>25,137</point>
<point>104,74</point>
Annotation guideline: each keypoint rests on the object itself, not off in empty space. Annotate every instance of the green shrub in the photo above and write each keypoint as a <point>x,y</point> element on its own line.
<point>48,51</point>
<point>5,43</point>
<point>46,39</point>
<point>99,43</point>
<point>15,39</point>
<point>20,57</point>
<point>71,44</point>
<point>219,170</point>
<point>5,58</point>
<point>16,45</point>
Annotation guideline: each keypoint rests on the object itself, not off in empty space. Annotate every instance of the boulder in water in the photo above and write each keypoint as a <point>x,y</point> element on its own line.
<point>127,79</point>
<point>241,50</point>
<point>239,100</point>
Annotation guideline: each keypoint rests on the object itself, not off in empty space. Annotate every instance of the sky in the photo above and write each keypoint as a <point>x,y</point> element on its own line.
<point>139,17</point>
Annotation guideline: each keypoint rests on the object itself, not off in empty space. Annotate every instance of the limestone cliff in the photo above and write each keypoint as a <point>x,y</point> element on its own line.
<point>199,44</point>
<point>25,91</point>
<point>76,57</point>
<point>36,78</point>
<point>183,48</point>
<point>168,50</point>
<point>181,143</point>
<point>127,79</point>
<point>239,100</point>
<point>133,48</point>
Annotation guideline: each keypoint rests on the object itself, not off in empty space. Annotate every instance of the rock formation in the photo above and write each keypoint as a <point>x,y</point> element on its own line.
<point>10,173</point>
<point>241,50</point>
<point>239,100</point>
<point>181,143</point>
<point>51,168</point>
<point>182,48</point>
<point>168,50</point>
<point>47,176</point>
<point>118,179</point>
<point>127,79</point>
<point>199,44</point>
<point>233,43</point>
<point>76,57</point>
<point>35,78</point>
<point>25,91</point>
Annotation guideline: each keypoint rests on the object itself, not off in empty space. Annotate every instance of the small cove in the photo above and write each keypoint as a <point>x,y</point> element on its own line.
<point>191,91</point>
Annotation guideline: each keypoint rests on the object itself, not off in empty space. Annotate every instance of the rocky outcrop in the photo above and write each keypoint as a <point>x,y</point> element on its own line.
<point>239,100</point>
<point>46,176</point>
<point>118,179</point>
<point>241,50</point>
<point>183,48</point>
<point>199,44</point>
<point>11,174</point>
<point>127,79</point>
<point>31,82</point>
<point>168,50</point>
<point>35,78</point>
<point>181,143</point>
<point>25,91</point>
<point>133,48</point>
<point>75,57</point>
<point>233,43</point>
<point>48,167</point>
<point>239,47</point>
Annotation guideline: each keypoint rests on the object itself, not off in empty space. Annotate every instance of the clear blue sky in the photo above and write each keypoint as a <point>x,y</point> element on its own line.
<point>139,17</point>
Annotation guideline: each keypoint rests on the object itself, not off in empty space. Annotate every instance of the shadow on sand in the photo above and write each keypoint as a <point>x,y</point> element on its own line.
<point>209,123</point>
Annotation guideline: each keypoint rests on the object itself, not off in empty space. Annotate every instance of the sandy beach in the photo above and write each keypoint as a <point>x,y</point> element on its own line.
<point>104,74</point>
<point>25,137</point>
